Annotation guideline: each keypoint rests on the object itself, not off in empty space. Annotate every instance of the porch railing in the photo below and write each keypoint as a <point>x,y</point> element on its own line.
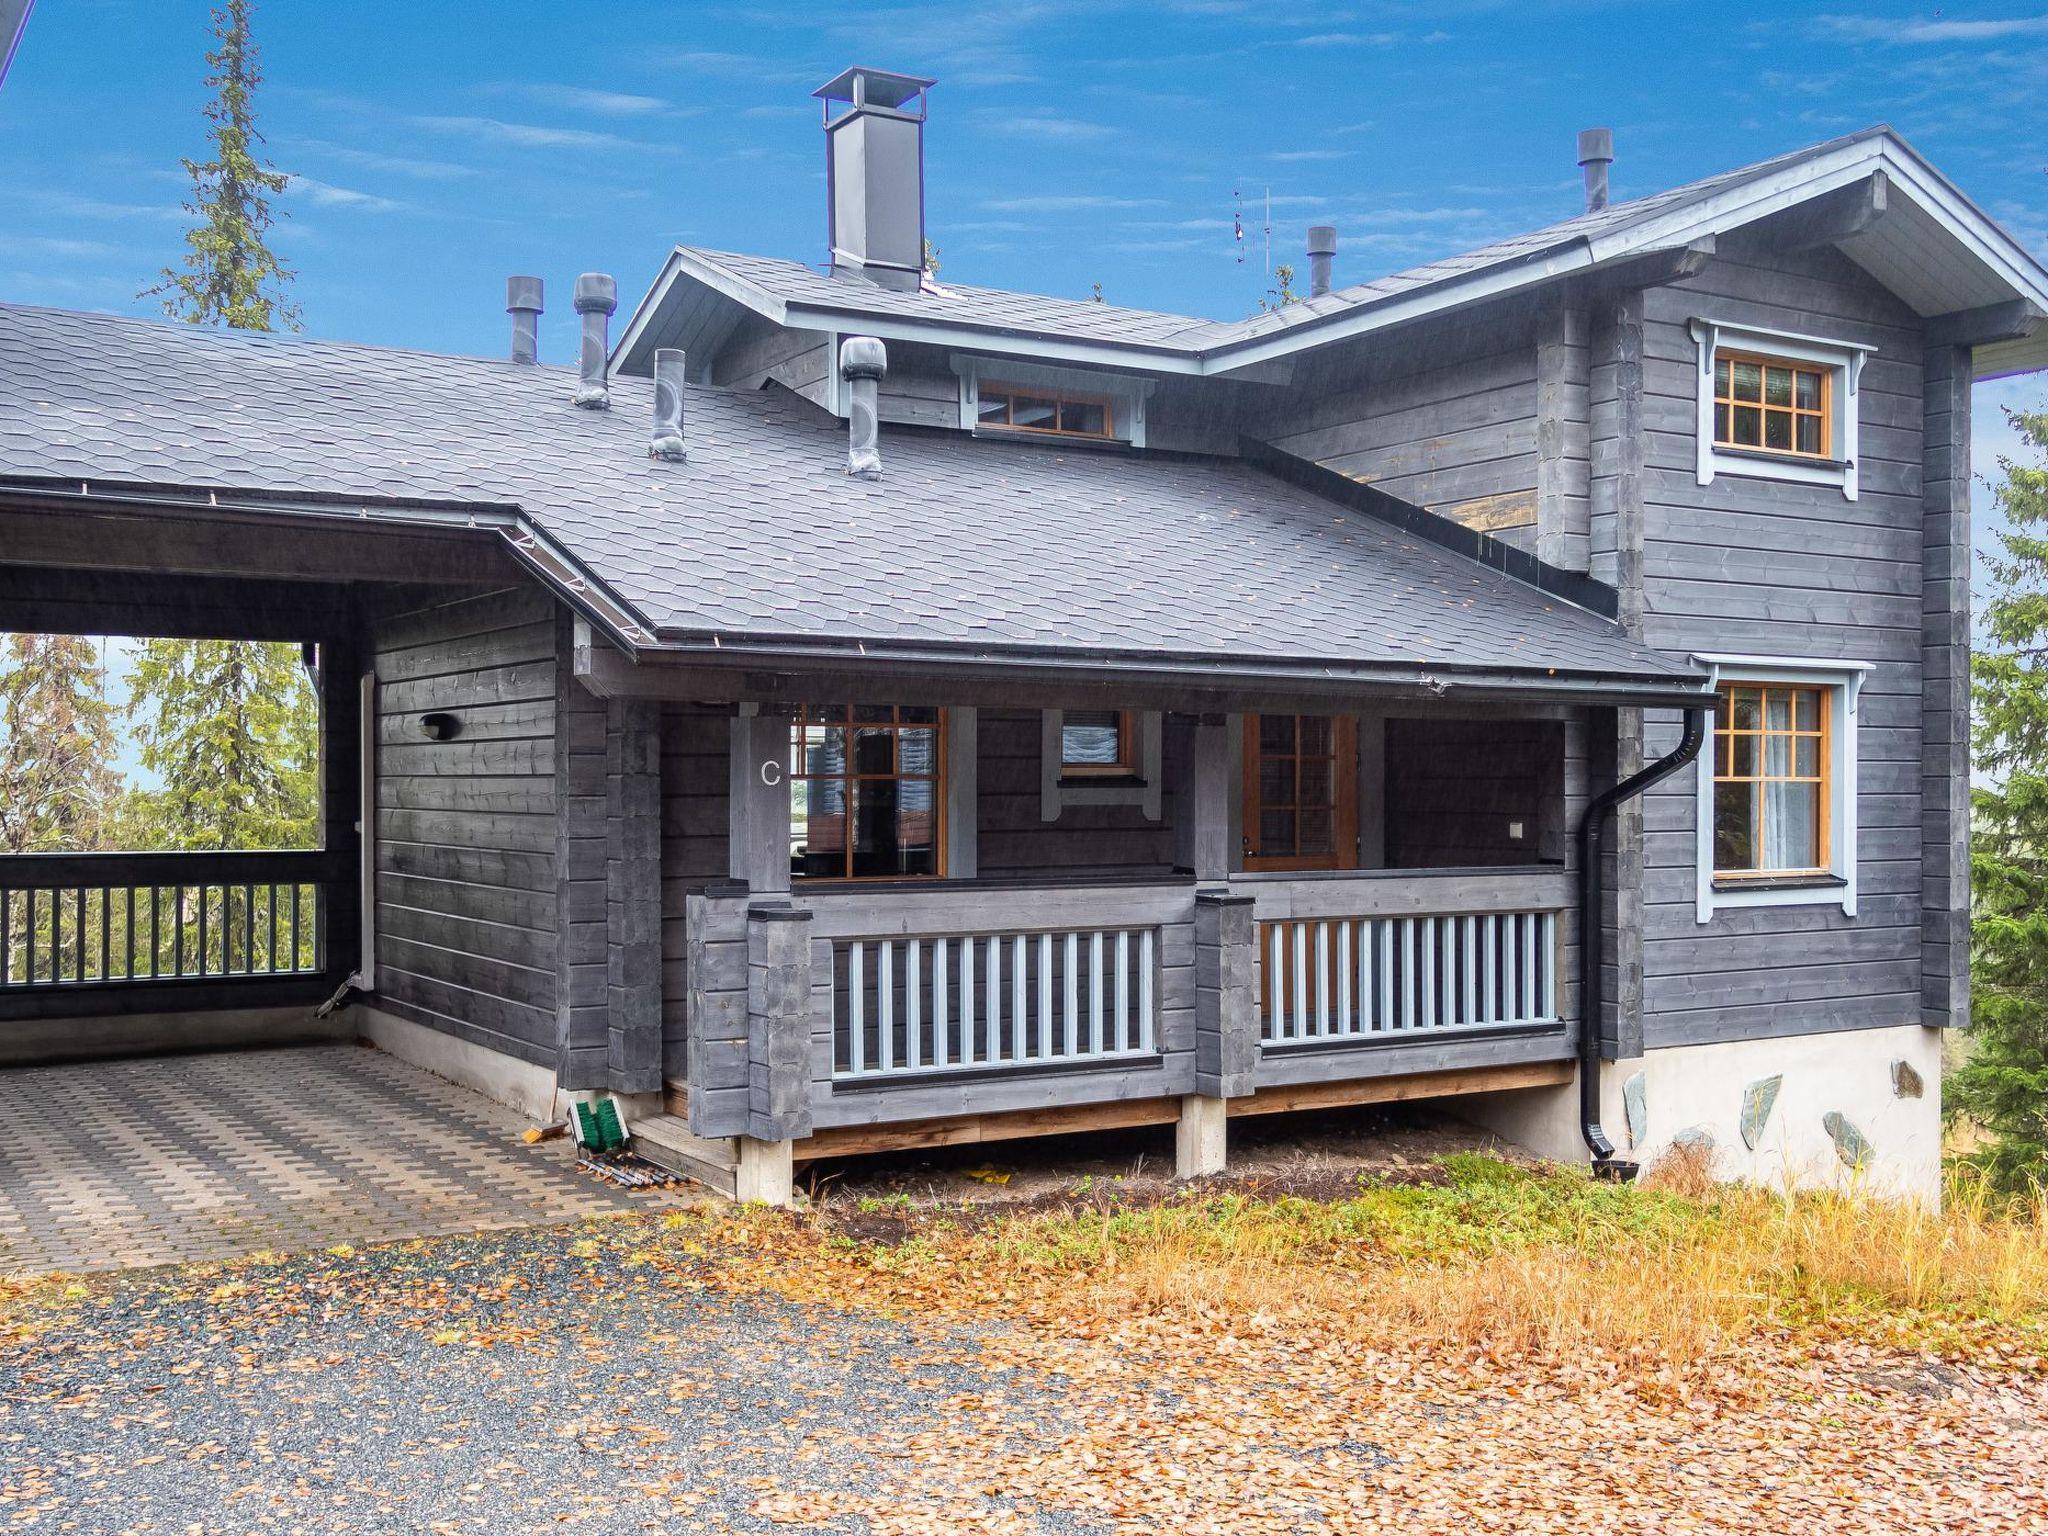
<point>1354,978</point>
<point>1399,954</point>
<point>948,1003</point>
<point>121,919</point>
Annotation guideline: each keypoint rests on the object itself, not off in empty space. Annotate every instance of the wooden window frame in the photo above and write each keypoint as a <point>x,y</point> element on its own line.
<point>1008,393</point>
<point>1126,765</point>
<point>1344,804</point>
<point>937,778</point>
<point>1725,736</point>
<point>1825,372</point>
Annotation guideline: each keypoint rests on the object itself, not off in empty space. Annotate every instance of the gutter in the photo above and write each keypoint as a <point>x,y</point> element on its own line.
<point>1592,827</point>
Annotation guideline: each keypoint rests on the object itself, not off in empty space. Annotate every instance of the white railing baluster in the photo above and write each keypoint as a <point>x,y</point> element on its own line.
<point>1297,1005</point>
<point>1072,1017</point>
<point>1323,978</point>
<point>1345,1023</point>
<point>885,1003</point>
<point>1123,990</point>
<point>942,1045</point>
<point>993,1050</point>
<point>1428,942</point>
<point>1276,1012</point>
<point>1489,973</point>
<point>857,1005</point>
<point>1527,924</point>
<point>967,1002</point>
<point>1045,1040</point>
<point>1468,1005</point>
<point>1095,994</point>
<point>1409,929</point>
<point>1547,926</point>
<point>913,1004</point>
<point>1020,1003</point>
<point>1385,930</point>
<point>1145,1032</point>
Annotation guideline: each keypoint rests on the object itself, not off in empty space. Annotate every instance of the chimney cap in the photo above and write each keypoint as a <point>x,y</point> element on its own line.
<point>872,87</point>
<point>1596,144</point>
<point>522,294</point>
<point>596,293</point>
<point>1322,239</point>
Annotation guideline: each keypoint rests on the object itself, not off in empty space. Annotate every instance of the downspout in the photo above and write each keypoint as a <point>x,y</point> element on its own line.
<point>1592,827</point>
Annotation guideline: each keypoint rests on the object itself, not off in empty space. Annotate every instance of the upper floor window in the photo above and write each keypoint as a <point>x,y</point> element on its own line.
<point>866,792</point>
<point>1772,405</point>
<point>1777,406</point>
<point>1098,742</point>
<point>1019,409</point>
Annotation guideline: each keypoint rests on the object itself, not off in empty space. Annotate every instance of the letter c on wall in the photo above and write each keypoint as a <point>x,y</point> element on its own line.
<point>771,772</point>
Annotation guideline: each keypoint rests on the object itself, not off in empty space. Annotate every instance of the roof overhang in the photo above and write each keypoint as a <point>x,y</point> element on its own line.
<point>1935,248</point>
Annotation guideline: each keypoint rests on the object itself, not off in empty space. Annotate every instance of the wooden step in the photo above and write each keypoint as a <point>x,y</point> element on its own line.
<point>665,1141</point>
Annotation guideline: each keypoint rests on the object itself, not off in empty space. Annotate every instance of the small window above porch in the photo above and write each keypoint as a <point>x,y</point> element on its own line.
<point>1004,397</point>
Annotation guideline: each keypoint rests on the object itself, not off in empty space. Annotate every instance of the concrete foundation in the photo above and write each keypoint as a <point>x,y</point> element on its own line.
<point>528,1088</point>
<point>1201,1140</point>
<point>1835,1094</point>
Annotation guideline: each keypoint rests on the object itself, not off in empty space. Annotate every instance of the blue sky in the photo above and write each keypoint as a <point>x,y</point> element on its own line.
<point>439,146</point>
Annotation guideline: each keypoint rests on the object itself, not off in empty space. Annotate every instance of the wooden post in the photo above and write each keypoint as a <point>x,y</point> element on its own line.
<point>1226,1027</point>
<point>1209,799</point>
<point>582,962</point>
<point>1945,696</point>
<point>717,1047</point>
<point>1563,414</point>
<point>778,1021</point>
<point>758,787</point>
<point>341,751</point>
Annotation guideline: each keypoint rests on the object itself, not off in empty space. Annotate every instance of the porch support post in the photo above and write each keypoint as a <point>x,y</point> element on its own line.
<point>1226,1028</point>
<point>717,1048</point>
<point>633,894</point>
<point>1209,799</point>
<point>343,835</point>
<point>758,790</point>
<point>778,1029</point>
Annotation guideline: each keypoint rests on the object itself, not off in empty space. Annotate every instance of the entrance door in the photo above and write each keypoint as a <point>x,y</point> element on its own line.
<point>1300,792</point>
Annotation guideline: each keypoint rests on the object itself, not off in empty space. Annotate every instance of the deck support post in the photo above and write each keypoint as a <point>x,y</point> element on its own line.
<point>1208,811</point>
<point>766,1173</point>
<point>1201,1141</point>
<point>778,1021</point>
<point>758,799</point>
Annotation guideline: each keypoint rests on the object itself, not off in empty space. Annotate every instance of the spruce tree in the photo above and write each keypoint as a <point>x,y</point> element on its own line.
<point>2004,1084</point>
<point>58,785</point>
<point>230,276</point>
<point>230,728</point>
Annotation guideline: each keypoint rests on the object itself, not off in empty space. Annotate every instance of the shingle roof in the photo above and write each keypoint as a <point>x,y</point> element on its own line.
<point>762,535</point>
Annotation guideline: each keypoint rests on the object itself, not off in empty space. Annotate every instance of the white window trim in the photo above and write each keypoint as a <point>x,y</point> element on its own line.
<point>1055,793</point>
<point>1844,680</point>
<point>1844,358</point>
<point>1126,394</point>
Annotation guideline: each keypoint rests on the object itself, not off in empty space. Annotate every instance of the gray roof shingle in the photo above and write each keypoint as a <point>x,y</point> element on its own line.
<point>762,535</point>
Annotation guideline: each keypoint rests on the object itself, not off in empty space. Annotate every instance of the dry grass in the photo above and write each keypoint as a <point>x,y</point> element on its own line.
<point>1544,1262</point>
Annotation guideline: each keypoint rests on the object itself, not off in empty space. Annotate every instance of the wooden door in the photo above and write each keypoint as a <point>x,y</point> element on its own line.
<point>1300,792</point>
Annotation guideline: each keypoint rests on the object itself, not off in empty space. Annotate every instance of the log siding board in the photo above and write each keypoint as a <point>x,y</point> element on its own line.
<point>466,904</point>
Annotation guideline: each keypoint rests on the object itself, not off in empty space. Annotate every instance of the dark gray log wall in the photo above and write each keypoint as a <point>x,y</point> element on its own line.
<point>1455,786</point>
<point>1447,421</point>
<point>1764,568</point>
<point>1013,840</point>
<point>466,829</point>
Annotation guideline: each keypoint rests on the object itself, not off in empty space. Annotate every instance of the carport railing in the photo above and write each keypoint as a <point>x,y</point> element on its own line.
<point>114,921</point>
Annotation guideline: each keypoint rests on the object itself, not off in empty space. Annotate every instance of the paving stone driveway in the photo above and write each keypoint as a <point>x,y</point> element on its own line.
<point>120,1164</point>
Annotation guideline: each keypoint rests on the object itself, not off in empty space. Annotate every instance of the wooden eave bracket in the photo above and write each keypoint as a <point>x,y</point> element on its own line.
<point>1834,216</point>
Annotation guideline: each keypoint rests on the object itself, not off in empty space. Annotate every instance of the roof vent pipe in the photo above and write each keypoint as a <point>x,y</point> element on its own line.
<point>597,299</point>
<point>1322,249</point>
<point>1596,153</point>
<point>522,303</point>
<point>862,362</point>
<point>667,441</point>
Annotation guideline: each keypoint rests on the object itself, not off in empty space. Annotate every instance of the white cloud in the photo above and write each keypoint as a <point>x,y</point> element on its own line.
<point>1039,124</point>
<point>371,160</point>
<point>324,195</point>
<point>1348,40</point>
<point>491,130</point>
<point>1935,30</point>
<point>578,98</point>
<point>1296,156</point>
<point>54,245</point>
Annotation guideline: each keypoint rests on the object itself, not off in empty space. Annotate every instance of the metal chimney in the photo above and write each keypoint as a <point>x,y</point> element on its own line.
<point>523,304</point>
<point>597,299</point>
<point>1322,249</point>
<point>667,440</point>
<point>862,362</point>
<point>1596,153</point>
<point>874,175</point>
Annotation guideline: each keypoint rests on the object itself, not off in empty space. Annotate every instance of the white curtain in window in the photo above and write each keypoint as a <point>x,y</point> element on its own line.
<point>1788,808</point>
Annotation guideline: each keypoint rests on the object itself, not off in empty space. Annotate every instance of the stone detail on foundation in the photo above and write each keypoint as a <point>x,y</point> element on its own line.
<point>1851,1146</point>
<point>1635,1104</point>
<point>1906,1080</point>
<point>1694,1138</point>
<point>1758,1100</point>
